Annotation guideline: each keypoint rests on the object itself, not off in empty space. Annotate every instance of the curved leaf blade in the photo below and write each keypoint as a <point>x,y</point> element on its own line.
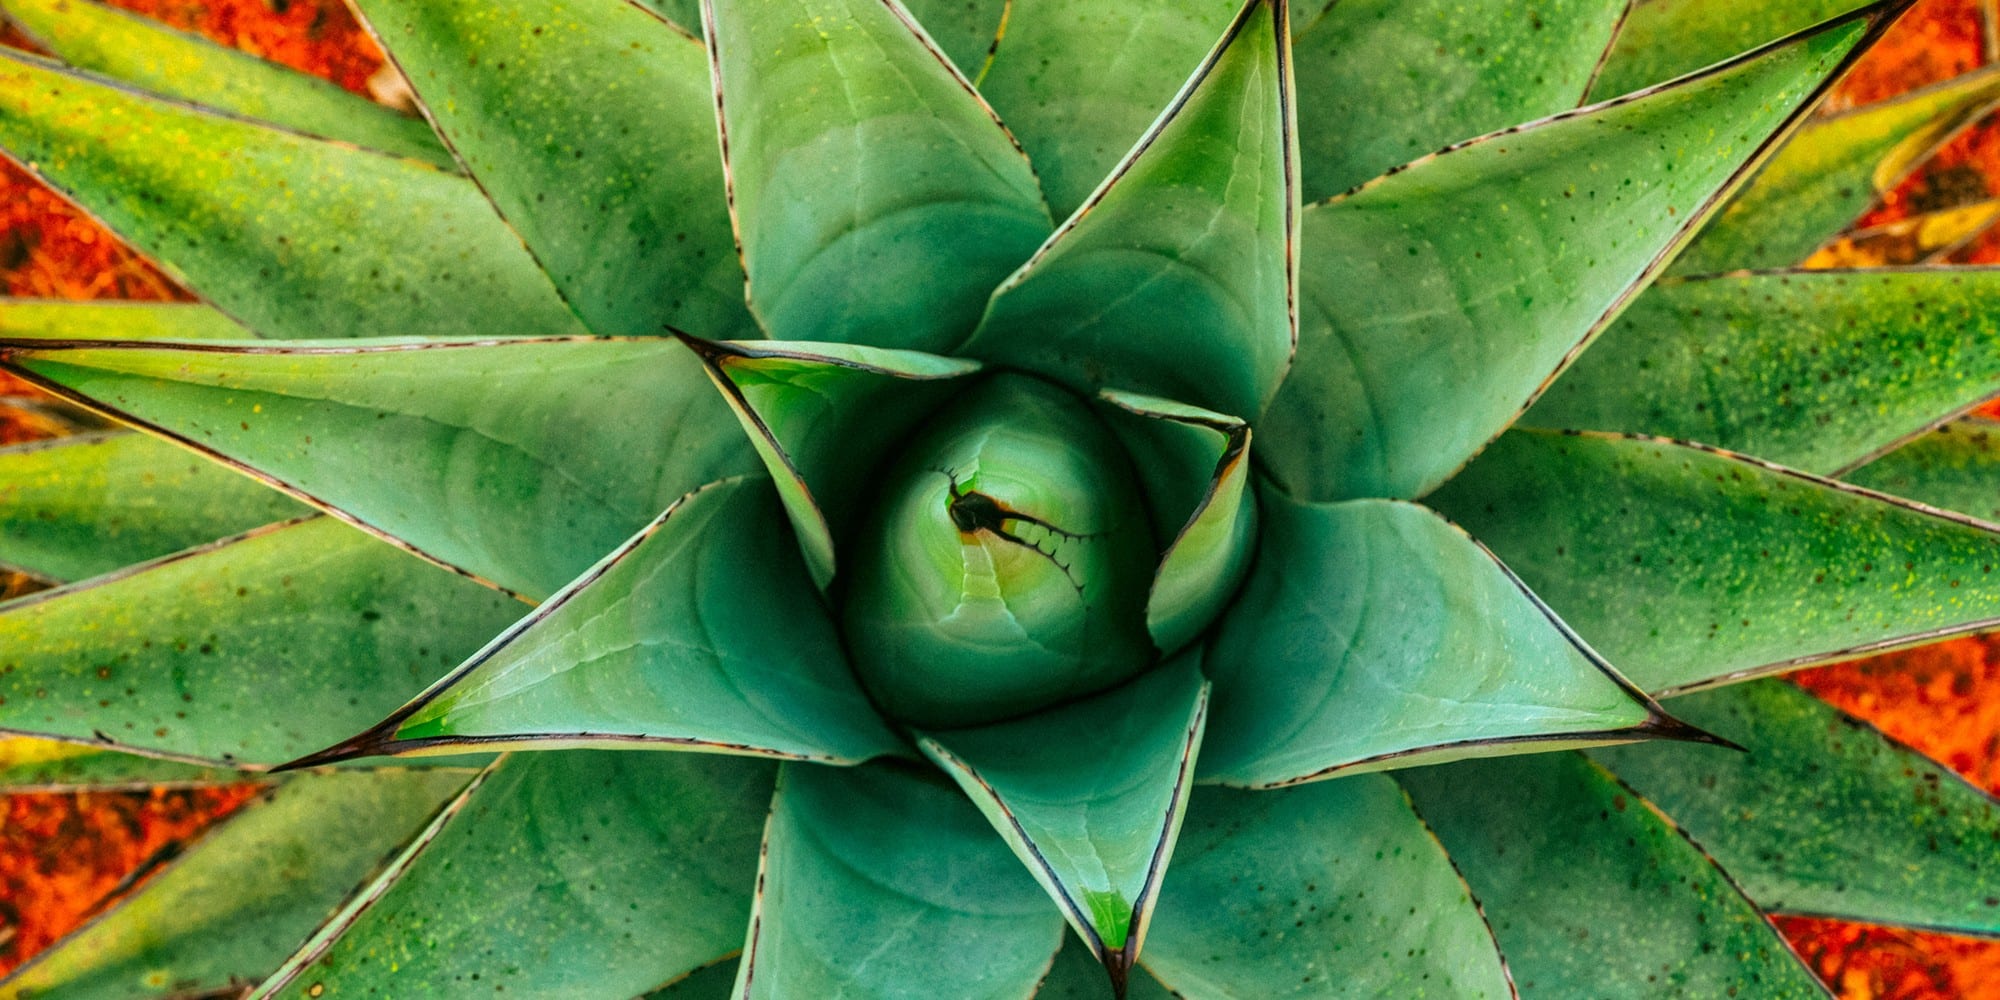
<point>859,161</point>
<point>1114,63</point>
<point>966,30</point>
<point>591,128</point>
<point>1383,82</point>
<point>1689,567</point>
<point>1824,815</point>
<point>214,917</point>
<point>1956,467</point>
<point>1663,39</point>
<point>1584,883</point>
<point>387,435</point>
<point>1829,172</point>
<point>1309,892</point>
<point>53,319</point>
<point>1817,370</point>
<point>76,507</point>
<point>1177,276</point>
<point>595,873</point>
<point>290,235</point>
<point>702,632</point>
<point>823,417</point>
<point>1090,796</point>
<point>1374,634</point>
<point>249,651</point>
<point>1440,300</point>
<point>1195,466</point>
<point>902,868</point>
<point>30,764</point>
<point>146,54</point>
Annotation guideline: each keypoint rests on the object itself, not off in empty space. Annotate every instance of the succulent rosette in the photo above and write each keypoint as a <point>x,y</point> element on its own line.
<point>1150,524</point>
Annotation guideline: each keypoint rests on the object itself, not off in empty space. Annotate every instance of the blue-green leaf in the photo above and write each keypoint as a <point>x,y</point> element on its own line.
<point>1956,467</point>
<point>1373,634</point>
<point>1090,797</point>
<point>1438,301</point>
<point>702,632</point>
<point>1176,277</point>
<point>877,199</point>
<point>895,865</point>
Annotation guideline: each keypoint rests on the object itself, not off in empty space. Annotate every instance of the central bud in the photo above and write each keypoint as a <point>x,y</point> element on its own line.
<point>1005,565</point>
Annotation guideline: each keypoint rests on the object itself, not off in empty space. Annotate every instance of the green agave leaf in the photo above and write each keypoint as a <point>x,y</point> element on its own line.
<point>291,235</point>
<point>1830,172</point>
<point>1337,890</point>
<point>714,982</point>
<point>966,30</point>
<point>1195,468</point>
<point>1090,796</point>
<point>592,128</point>
<point>1689,567</point>
<point>28,764</point>
<point>1176,277</point>
<point>1818,370</point>
<point>228,908</point>
<point>702,632</point>
<point>254,649</point>
<point>682,14</point>
<point>1585,883</point>
<point>1663,39</point>
<point>1956,466</point>
<point>891,864</point>
<point>1382,82</point>
<point>589,873</point>
<point>1077,975</point>
<point>1441,299</point>
<point>76,507</point>
<point>1373,634</point>
<point>50,319</point>
<point>876,197</point>
<point>1081,81</point>
<point>470,453</point>
<point>146,54</point>
<point>823,417</point>
<point>1825,815</point>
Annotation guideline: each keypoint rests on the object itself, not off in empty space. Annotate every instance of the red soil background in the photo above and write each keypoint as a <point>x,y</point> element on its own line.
<point>64,857</point>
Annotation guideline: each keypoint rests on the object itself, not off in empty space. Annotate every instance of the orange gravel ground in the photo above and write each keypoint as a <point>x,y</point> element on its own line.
<point>64,856</point>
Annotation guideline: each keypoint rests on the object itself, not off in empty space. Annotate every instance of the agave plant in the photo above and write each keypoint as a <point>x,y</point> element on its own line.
<point>1134,447</point>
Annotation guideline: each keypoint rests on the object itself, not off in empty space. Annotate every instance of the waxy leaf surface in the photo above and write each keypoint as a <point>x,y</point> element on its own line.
<point>1176,277</point>
<point>1438,301</point>
<point>897,866</point>
<point>967,30</point>
<point>1194,465</point>
<point>1077,975</point>
<point>470,453</point>
<point>596,873</point>
<point>139,51</point>
<point>1829,172</point>
<point>1686,567</point>
<point>256,649</point>
<point>75,507</point>
<point>702,632</point>
<point>32,764</point>
<point>231,906</point>
<point>1383,82</point>
<point>1080,81</point>
<point>1374,634</point>
<point>877,200</point>
<point>824,417</point>
<point>1663,39</point>
<point>1334,890</point>
<point>294,236</point>
<point>1956,467</point>
<point>1090,796</point>
<point>1825,815</point>
<point>1817,370</point>
<point>592,128</point>
<point>1585,884</point>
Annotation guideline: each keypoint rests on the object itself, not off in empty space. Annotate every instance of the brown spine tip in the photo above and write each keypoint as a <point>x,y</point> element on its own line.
<point>1665,727</point>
